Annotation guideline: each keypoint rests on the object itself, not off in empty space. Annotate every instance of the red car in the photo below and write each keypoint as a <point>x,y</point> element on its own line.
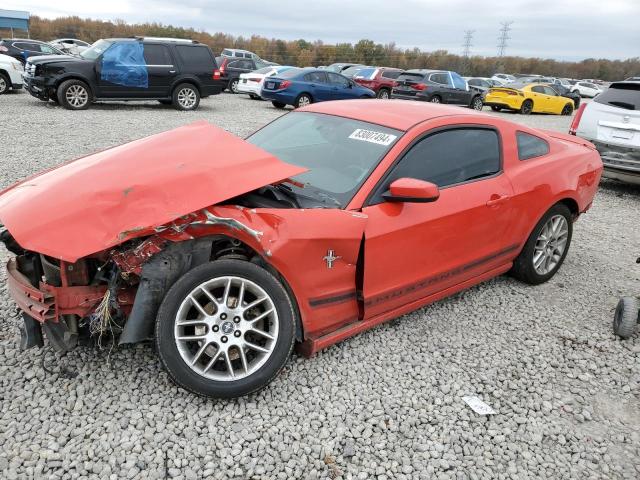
<point>379,79</point>
<point>326,222</point>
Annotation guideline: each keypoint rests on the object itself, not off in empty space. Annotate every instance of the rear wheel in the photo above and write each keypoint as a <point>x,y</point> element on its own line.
<point>567,109</point>
<point>435,99</point>
<point>186,97</point>
<point>546,247</point>
<point>278,104</point>
<point>384,94</point>
<point>233,85</point>
<point>4,83</point>
<point>626,317</point>
<point>526,108</point>
<point>254,96</point>
<point>477,103</point>
<point>225,329</point>
<point>303,100</point>
<point>74,95</point>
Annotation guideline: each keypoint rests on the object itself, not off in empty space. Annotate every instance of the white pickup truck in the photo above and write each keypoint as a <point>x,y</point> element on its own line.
<point>10,74</point>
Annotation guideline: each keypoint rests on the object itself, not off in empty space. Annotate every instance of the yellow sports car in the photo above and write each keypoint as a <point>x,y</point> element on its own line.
<point>528,98</point>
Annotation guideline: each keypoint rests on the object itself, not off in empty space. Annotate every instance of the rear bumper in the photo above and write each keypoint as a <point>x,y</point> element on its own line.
<point>46,303</point>
<point>512,104</point>
<point>253,88</point>
<point>621,163</point>
<point>282,97</point>
<point>214,89</point>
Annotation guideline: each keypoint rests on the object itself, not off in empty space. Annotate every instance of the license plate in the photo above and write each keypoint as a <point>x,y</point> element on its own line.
<point>244,80</point>
<point>624,134</point>
<point>270,84</point>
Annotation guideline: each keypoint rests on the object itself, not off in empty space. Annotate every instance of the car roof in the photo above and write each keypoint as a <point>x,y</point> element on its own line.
<point>20,40</point>
<point>397,114</point>
<point>425,71</point>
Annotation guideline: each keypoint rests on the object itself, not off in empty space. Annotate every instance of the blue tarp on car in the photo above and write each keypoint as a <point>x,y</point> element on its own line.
<point>123,64</point>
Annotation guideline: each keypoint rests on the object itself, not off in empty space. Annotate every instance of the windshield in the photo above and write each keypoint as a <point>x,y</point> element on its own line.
<point>340,153</point>
<point>95,50</point>
<point>410,77</point>
<point>366,73</point>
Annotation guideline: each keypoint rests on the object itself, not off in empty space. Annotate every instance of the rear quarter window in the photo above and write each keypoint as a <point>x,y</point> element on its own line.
<point>530,146</point>
<point>196,57</point>
<point>625,96</point>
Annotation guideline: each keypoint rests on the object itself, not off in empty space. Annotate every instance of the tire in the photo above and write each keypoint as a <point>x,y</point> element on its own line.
<point>567,110</point>
<point>185,97</point>
<point>254,96</point>
<point>74,95</point>
<point>576,103</point>
<point>436,99</point>
<point>477,103</point>
<point>4,83</point>
<point>303,100</point>
<point>210,375</point>
<point>526,108</point>
<point>383,94</point>
<point>496,109</point>
<point>233,85</point>
<point>165,102</point>
<point>626,317</point>
<point>278,104</point>
<point>523,267</point>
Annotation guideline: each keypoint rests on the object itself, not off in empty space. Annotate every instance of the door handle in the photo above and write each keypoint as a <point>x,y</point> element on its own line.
<point>497,200</point>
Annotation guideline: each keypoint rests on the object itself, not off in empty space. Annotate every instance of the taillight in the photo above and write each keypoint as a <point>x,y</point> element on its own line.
<point>576,119</point>
<point>284,85</point>
<point>216,74</point>
<point>223,66</point>
<point>254,79</point>
<point>419,86</point>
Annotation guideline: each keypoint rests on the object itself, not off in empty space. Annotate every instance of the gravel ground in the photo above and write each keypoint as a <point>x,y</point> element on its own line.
<point>386,404</point>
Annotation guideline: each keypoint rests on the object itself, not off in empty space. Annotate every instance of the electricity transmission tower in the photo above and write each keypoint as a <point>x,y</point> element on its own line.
<point>504,36</point>
<point>468,37</point>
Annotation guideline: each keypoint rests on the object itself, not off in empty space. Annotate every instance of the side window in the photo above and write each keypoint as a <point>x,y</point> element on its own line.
<point>196,58</point>
<point>537,89</point>
<point>29,47</point>
<point>47,49</point>
<point>338,80</point>
<point>458,81</point>
<point>530,146</point>
<point>450,157</point>
<point>317,77</point>
<point>234,64</point>
<point>550,91</point>
<point>392,74</point>
<point>157,55</point>
<point>442,78</point>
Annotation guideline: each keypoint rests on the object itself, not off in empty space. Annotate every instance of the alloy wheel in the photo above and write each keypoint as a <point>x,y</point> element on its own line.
<point>435,100</point>
<point>303,101</point>
<point>226,328</point>
<point>384,95</point>
<point>477,103</point>
<point>550,244</point>
<point>187,98</point>
<point>77,96</point>
<point>3,84</point>
<point>234,86</point>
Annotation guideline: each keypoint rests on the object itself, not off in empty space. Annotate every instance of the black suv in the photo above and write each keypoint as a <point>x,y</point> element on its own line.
<point>172,71</point>
<point>437,86</point>
<point>232,67</point>
<point>22,49</point>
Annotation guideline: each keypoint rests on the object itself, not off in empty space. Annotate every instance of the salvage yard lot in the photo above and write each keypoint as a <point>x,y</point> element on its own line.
<point>385,404</point>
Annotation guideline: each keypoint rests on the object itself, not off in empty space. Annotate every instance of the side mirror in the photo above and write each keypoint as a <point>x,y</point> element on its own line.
<point>412,190</point>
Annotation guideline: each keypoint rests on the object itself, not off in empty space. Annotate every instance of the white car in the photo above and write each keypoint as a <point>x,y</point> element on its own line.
<point>504,78</point>
<point>612,123</point>
<point>586,89</point>
<point>252,82</point>
<point>10,74</point>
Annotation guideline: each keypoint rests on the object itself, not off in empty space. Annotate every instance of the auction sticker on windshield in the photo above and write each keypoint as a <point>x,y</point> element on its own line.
<point>372,136</point>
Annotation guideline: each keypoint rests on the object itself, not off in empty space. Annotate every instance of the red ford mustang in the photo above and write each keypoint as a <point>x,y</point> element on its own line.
<point>326,222</point>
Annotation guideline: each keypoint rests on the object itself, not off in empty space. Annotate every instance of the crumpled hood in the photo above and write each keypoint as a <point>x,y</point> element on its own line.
<point>101,200</point>
<point>40,59</point>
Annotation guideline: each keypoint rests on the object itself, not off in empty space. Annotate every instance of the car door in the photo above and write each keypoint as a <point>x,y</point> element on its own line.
<point>445,84</point>
<point>556,102</point>
<point>541,101</point>
<point>161,70</point>
<point>461,94</point>
<point>121,71</point>
<point>319,86</point>
<point>414,250</point>
<point>341,87</point>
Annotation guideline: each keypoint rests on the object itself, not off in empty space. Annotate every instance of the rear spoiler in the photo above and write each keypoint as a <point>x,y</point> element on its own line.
<point>565,137</point>
<point>507,90</point>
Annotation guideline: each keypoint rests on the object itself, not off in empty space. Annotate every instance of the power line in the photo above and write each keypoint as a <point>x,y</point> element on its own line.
<point>504,36</point>
<point>468,37</point>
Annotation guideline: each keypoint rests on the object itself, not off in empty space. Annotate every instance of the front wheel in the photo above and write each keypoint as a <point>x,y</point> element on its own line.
<point>186,97</point>
<point>626,317</point>
<point>225,329</point>
<point>384,94</point>
<point>4,83</point>
<point>74,95</point>
<point>546,247</point>
<point>477,103</point>
<point>233,85</point>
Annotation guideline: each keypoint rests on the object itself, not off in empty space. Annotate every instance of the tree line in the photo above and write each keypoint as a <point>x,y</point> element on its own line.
<point>304,53</point>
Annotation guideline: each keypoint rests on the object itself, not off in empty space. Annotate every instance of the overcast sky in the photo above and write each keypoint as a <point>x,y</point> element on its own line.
<point>561,29</point>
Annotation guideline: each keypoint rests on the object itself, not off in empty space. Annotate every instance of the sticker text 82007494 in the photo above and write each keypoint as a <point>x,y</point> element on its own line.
<point>372,136</point>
